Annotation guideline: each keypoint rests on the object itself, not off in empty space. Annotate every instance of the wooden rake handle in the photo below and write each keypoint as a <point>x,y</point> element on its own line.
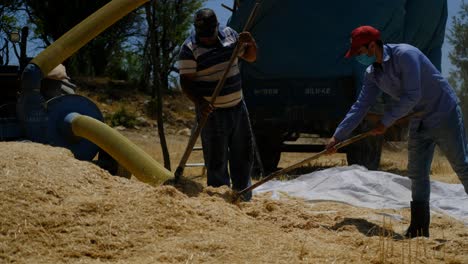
<point>316,156</point>
<point>198,127</point>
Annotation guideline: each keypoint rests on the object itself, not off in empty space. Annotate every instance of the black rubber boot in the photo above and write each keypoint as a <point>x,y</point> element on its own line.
<point>420,219</point>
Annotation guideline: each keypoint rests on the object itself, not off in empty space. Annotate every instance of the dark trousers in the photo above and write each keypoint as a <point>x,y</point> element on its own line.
<point>228,148</point>
<point>450,136</point>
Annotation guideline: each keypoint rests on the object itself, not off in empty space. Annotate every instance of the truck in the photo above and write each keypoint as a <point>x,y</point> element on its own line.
<point>301,84</point>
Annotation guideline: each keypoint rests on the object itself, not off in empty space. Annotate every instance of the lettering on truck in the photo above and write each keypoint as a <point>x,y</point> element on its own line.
<point>318,91</point>
<point>266,92</point>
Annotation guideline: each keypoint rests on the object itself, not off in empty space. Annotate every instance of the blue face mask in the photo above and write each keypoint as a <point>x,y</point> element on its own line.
<point>366,60</point>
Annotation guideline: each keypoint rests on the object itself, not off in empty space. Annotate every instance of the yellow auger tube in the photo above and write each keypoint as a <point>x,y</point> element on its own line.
<point>82,33</point>
<point>131,157</point>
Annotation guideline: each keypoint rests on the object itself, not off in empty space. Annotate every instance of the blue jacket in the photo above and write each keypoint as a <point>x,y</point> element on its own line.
<point>408,76</point>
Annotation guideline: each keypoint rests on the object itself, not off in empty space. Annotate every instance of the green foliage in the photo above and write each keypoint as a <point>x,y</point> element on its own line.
<point>169,24</point>
<point>53,18</point>
<point>8,23</point>
<point>126,65</point>
<point>123,118</point>
<point>459,56</point>
<point>7,13</point>
<point>130,50</point>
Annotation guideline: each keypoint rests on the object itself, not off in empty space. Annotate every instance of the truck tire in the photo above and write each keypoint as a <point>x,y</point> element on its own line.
<point>366,152</point>
<point>269,148</point>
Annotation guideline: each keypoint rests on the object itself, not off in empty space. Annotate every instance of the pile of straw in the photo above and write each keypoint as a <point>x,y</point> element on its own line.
<point>56,209</point>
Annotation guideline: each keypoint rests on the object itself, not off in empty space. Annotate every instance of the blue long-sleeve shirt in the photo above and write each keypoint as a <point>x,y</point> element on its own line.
<point>409,77</point>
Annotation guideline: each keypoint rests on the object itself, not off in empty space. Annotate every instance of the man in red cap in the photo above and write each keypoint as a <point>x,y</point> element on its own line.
<point>406,74</point>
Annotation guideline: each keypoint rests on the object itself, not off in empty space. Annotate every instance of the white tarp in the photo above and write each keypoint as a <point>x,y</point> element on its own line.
<point>358,186</point>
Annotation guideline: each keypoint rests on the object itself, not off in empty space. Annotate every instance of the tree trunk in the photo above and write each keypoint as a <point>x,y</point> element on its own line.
<point>146,74</point>
<point>157,85</point>
<point>162,136</point>
<point>165,79</point>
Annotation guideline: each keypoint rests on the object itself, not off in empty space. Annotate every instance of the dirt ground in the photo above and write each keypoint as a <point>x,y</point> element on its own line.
<point>56,209</point>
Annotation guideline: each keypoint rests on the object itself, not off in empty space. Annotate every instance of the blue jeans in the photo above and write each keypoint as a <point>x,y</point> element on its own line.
<point>227,138</point>
<point>451,138</point>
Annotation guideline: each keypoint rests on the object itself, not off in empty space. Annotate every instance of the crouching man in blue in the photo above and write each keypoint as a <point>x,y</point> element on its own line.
<point>227,135</point>
<point>407,75</point>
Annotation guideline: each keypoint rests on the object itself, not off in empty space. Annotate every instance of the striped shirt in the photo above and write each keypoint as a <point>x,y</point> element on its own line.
<point>209,63</point>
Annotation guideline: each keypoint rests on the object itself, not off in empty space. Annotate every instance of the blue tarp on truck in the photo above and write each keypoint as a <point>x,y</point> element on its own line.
<point>301,82</point>
<point>309,38</point>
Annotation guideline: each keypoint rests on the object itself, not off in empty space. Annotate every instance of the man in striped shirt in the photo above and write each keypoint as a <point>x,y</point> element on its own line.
<point>227,135</point>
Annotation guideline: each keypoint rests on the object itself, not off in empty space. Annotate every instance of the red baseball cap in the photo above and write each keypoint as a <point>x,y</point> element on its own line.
<point>361,36</point>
